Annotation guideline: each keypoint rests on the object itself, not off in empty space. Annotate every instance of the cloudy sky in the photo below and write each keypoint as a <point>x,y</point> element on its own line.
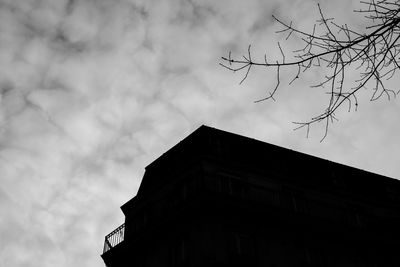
<point>92,91</point>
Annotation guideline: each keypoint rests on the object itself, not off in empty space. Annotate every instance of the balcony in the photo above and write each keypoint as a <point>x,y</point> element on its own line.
<point>114,238</point>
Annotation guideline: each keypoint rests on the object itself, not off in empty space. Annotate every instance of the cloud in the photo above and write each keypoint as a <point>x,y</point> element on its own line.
<point>93,91</point>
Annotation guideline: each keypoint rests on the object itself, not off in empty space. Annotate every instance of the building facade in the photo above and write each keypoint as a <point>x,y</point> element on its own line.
<point>220,199</point>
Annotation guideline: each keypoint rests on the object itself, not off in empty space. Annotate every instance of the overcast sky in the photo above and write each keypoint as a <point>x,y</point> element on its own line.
<point>92,91</point>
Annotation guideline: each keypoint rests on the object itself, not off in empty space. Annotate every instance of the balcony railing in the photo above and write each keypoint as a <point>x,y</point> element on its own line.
<point>114,238</point>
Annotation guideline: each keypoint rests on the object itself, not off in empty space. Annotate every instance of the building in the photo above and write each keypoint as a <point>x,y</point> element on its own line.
<point>220,199</point>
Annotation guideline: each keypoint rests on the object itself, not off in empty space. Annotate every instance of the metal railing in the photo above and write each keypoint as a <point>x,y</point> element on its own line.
<point>114,238</point>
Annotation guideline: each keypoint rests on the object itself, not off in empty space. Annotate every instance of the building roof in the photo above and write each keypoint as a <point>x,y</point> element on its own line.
<point>212,144</point>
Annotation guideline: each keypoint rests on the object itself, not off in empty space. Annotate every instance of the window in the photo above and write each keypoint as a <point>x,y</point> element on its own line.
<point>241,249</point>
<point>179,253</point>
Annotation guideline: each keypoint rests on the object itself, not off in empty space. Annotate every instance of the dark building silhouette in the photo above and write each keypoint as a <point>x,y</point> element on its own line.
<point>220,199</point>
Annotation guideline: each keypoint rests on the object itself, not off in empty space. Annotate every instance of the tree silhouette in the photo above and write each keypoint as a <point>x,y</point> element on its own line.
<point>338,49</point>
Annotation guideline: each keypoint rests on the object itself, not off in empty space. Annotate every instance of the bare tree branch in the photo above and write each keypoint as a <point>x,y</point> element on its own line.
<point>338,49</point>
